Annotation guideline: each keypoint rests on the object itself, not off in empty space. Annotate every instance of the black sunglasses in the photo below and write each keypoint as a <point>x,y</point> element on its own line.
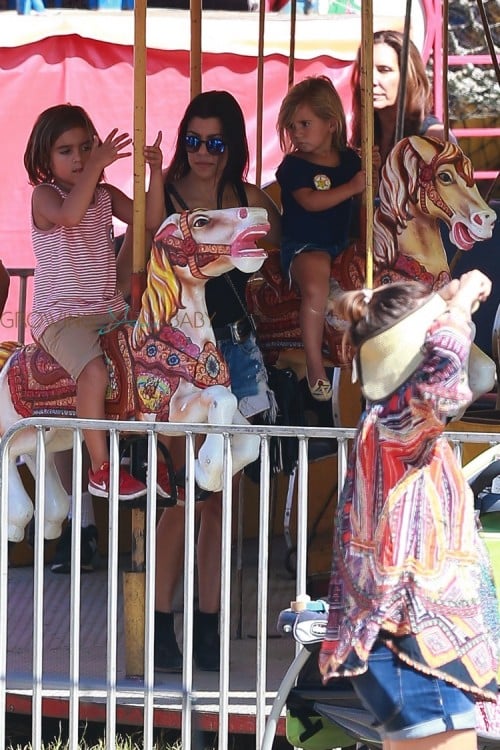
<point>214,146</point>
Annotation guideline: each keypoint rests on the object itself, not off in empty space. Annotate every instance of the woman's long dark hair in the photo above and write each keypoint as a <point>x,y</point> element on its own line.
<point>418,89</point>
<point>223,105</point>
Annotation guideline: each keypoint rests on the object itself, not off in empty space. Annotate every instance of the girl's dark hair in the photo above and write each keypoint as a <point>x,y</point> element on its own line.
<point>49,126</point>
<point>418,102</point>
<point>389,303</point>
<point>322,97</point>
<point>223,105</point>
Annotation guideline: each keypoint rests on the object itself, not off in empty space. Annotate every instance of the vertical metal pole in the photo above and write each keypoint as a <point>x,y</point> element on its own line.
<point>446,115</point>
<point>195,52</point>
<point>367,129</point>
<point>260,95</point>
<point>134,586</point>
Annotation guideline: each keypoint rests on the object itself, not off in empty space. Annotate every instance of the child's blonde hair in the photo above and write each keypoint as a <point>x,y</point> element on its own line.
<point>321,95</point>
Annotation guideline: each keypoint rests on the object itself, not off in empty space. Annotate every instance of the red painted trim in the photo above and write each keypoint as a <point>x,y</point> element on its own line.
<point>58,708</point>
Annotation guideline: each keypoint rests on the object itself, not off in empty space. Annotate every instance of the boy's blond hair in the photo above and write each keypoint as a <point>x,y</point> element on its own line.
<point>321,95</point>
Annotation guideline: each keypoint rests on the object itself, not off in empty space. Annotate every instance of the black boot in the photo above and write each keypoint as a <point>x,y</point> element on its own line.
<point>206,642</point>
<point>168,658</point>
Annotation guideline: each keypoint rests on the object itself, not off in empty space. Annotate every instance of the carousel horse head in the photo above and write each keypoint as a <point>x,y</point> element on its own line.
<point>424,182</point>
<point>164,366</point>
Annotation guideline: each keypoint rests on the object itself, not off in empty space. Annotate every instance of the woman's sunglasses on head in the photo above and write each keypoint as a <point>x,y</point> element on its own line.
<point>214,146</point>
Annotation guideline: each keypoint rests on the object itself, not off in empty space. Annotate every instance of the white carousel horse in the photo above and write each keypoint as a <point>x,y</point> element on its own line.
<point>424,182</point>
<point>164,366</point>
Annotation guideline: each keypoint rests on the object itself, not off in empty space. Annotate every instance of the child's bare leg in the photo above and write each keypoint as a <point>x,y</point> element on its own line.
<point>311,273</point>
<point>90,394</point>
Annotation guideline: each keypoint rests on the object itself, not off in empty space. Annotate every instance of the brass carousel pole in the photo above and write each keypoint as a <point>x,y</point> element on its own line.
<point>403,67</point>
<point>134,580</point>
<point>367,131</point>
<point>444,27</point>
<point>260,95</point>
<point>195,47</point>
<point>291,54</point>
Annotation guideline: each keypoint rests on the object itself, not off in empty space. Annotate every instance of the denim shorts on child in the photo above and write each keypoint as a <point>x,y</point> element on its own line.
<point>248,375</point>
<point>291,248</point>
<point>408,704</point>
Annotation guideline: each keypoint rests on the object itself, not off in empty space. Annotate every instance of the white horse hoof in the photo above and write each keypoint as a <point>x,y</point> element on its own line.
<point>15,533</point>
<point>52,530</point>
<point>207,478</point>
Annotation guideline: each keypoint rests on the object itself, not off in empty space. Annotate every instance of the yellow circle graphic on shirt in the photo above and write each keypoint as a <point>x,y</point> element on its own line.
<point>322,182</point>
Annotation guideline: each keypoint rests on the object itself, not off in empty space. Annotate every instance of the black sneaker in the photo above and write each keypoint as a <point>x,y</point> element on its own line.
<point>62,558</point>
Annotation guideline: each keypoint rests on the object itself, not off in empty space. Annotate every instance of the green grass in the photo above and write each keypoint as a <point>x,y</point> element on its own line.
<point>122,743</point>
<point>91,736</point>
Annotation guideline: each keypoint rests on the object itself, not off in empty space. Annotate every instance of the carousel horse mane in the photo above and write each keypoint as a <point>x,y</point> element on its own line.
<point>161,299</point>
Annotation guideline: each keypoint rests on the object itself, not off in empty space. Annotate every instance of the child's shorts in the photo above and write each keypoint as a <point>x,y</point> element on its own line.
<point>248,375</point>
<point>408,704</point>
<point>291,248</point>
<point>74,342</point>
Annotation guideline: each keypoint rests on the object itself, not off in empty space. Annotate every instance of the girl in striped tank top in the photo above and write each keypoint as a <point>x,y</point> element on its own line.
<point>75,290</point>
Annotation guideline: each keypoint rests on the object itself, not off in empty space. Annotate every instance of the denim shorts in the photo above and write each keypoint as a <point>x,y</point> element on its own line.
<point>248,375</point>
<point>408,704</point>
<point>291,248</point>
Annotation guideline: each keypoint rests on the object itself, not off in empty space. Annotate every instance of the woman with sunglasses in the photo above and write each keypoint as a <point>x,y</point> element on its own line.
<point>209,170</point>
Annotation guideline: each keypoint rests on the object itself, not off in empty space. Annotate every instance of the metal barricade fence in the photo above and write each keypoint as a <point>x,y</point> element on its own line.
<point>112,690</point>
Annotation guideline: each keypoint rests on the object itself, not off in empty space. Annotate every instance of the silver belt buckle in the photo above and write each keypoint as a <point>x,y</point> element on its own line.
<point>235,334</point>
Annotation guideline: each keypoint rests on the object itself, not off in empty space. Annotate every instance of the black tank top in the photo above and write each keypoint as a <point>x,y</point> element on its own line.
<point>224,304</point>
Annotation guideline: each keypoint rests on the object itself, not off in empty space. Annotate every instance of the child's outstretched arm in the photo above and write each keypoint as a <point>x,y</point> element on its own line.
<point>155,198</point>
<point>49,208</point>
<point>321,200</point>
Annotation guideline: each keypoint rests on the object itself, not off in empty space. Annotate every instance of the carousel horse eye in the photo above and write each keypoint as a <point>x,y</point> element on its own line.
<point>445,178</point>
<point>201,221</point>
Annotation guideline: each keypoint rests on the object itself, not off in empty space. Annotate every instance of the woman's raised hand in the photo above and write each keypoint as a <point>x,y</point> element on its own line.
<point>153,154</point>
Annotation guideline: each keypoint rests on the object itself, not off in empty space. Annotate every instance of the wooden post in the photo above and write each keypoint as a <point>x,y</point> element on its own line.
<point>135,580</point>
<point>446,115</point>
<point>367,130</point>
<point>260,95</point>
<point>195,47</point>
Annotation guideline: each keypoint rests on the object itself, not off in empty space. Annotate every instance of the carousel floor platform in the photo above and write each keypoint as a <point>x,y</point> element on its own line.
<point>168,690</point>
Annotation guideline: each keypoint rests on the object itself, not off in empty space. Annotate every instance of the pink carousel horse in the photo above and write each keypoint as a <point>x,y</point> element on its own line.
<point>163,367</point>
<point>423,182</point>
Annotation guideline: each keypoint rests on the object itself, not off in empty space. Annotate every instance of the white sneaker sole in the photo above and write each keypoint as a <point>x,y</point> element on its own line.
<point>97,492</point>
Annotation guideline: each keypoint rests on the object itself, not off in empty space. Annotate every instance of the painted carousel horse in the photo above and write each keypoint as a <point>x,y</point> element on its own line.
<point>164,366</point>
<point>424,182</point>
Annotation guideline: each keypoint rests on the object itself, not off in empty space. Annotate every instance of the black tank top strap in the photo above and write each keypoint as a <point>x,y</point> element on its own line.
<point>171,192</point>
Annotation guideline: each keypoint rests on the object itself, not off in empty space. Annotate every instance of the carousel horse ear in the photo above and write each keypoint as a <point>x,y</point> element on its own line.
<point>425,146</point>
<point>169,227</point>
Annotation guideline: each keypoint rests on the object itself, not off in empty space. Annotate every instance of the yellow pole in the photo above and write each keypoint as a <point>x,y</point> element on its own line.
<point>446,116</point>
<point>291,54</point>
<point>195,47</point>
<point>134,581</point>
<point>367,130</point>
<point>260,95</point>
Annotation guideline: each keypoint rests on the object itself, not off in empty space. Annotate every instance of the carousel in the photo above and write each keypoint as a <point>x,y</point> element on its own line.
<point>424,219</point>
